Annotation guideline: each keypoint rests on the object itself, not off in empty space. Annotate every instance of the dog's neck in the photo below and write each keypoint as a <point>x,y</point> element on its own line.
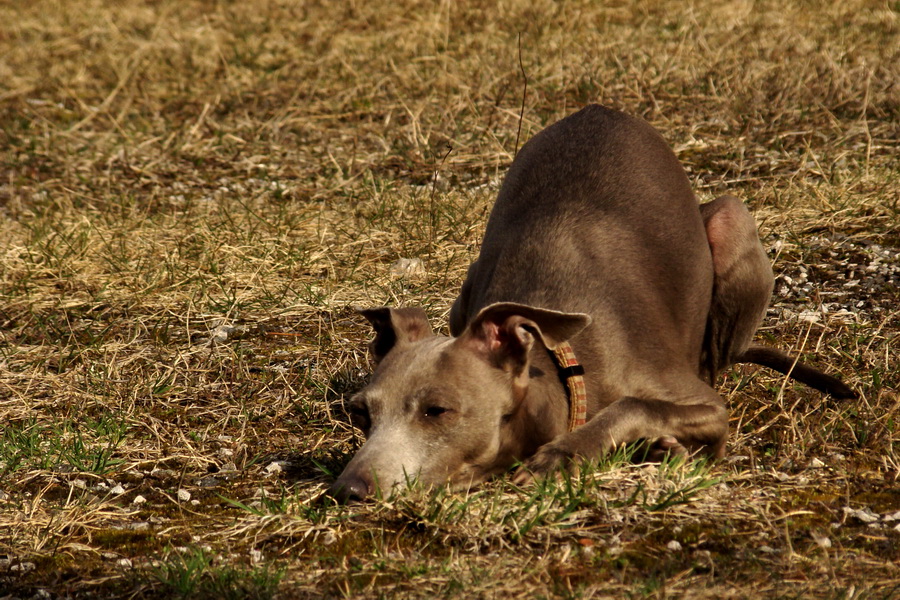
<point>544,412</point>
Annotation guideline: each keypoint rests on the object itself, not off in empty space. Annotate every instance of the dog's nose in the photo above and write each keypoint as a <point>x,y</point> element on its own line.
<point>349,488</point>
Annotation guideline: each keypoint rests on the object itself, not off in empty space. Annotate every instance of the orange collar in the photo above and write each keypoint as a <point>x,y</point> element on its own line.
<point>572,375</point>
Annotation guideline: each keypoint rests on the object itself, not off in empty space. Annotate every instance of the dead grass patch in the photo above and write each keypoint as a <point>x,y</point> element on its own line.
<point>194,194</point>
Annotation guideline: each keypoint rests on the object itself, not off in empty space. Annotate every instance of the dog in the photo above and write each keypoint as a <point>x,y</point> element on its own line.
<point>602,306</point>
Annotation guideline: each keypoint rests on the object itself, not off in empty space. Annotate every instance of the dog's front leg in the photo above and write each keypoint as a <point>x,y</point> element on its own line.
<point>666,426</point>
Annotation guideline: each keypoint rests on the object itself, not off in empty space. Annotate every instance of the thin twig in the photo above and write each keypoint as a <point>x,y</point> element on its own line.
<point>524,93</point>
<point>434,189</point>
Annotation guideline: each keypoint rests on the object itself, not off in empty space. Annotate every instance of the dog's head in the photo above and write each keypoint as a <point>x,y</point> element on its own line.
<point>446,410</point>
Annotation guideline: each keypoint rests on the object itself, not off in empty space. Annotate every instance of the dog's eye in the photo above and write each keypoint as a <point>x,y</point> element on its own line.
<point>435,411</point>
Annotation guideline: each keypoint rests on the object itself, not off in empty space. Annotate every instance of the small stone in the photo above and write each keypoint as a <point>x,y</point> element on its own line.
<point>408,268</point>
<point>81,484</point>
<point>256,556</point>
<point>221,333</point>
<point>891,517</point>
<point>124,563</point>
<point>815,463</point>
<point>810,316</point>
<point>863,514</point>
<point>329,538</point>
<point>163,474</point>
<point>208,482</point>
<point>184,495</point>
<point>117,490</point>
<point>275,467</point>
<point>822,541</point>
<point>674,546</point>
<point>139,500</point>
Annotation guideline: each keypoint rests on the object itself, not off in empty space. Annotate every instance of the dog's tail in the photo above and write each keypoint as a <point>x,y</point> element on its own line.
<point>793,368</point>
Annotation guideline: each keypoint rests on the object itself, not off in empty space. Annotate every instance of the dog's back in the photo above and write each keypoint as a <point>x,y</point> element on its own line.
<point>597,216</point>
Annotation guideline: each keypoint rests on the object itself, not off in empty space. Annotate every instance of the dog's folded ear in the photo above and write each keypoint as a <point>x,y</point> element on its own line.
<point>395,326</point>
<point>505,332</point>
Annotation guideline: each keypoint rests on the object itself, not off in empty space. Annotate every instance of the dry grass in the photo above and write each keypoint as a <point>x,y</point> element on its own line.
<point>193,194</point>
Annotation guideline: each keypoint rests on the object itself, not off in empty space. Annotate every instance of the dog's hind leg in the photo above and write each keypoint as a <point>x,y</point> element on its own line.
<point>742,285</point>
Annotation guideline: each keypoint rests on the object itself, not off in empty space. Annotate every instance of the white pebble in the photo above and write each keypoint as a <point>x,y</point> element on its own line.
<point>674,546</point>
<point>408,267</point>
<point>275,467</point>
<point>864,514</point>
<point>184,495</point>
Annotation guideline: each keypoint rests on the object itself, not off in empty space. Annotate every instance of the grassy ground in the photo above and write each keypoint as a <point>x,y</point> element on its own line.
<point>193,194</point>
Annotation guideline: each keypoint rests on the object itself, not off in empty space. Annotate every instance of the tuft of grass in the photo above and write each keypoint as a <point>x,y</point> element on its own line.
<point>88,446</point>
<point>194,573</point>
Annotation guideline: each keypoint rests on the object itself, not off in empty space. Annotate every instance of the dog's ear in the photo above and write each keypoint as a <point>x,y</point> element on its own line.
<point>504,333</point>
<point>395,326</point>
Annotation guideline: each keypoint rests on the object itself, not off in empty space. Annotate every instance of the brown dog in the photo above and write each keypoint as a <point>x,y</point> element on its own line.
<point>597,246</point>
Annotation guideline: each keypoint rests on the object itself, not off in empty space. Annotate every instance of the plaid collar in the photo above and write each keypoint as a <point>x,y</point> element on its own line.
<point>572,375</point>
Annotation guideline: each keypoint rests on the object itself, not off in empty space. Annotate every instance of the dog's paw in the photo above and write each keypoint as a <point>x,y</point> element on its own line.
<point>660,448</point>
<point>548,460</point>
